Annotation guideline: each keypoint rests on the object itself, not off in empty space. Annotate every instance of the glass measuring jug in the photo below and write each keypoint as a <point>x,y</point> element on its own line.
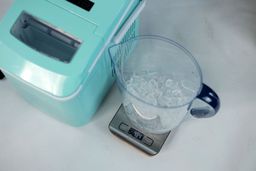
<point>160,82</point>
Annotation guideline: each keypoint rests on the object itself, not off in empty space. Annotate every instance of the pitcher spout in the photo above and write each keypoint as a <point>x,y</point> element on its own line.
<point>114,52</point>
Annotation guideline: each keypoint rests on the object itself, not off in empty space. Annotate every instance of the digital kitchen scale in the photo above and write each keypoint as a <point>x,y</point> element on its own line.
<point>147,142</point>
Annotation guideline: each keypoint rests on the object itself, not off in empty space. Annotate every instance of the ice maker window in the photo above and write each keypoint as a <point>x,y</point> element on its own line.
<point>45,38</point>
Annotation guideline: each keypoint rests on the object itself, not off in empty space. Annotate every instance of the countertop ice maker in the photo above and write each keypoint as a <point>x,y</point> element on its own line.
<point>55,52</point>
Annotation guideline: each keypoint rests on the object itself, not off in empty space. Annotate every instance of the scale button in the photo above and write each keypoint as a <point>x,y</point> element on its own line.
<point>148,141</point>
<point>124,127</point>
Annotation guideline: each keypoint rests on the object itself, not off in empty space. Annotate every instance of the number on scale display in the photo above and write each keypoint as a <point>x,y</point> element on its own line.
<point>136,134</point>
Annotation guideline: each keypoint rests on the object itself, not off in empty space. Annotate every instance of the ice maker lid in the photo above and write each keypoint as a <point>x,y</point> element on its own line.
<point>82,33</point>
<point>102,13</point>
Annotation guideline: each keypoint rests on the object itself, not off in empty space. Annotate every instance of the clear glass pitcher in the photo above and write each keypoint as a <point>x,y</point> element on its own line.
<point>161,83</point>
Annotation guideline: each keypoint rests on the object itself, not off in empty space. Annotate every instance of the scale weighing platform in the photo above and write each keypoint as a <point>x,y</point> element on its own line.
<point>147,142</point>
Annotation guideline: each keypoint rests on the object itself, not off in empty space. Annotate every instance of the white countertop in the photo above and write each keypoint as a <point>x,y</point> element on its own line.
<point>222,36</point>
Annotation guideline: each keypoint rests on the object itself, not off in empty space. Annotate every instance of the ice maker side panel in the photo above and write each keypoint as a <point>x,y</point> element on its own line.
<point>45,38</point>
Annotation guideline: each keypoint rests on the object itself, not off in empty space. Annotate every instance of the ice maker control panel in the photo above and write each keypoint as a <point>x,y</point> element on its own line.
<point>84,4</point>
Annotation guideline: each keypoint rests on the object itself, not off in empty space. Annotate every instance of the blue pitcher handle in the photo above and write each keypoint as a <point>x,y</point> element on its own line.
<point>207,103</point>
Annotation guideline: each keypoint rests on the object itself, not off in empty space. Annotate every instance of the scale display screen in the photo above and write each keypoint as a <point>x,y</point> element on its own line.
<point>136,134</point>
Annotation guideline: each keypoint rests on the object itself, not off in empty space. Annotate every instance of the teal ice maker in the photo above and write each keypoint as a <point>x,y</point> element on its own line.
<point>54,52</point>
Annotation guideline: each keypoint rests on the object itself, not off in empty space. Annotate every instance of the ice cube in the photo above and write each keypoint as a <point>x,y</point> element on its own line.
<point>169,83</point>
